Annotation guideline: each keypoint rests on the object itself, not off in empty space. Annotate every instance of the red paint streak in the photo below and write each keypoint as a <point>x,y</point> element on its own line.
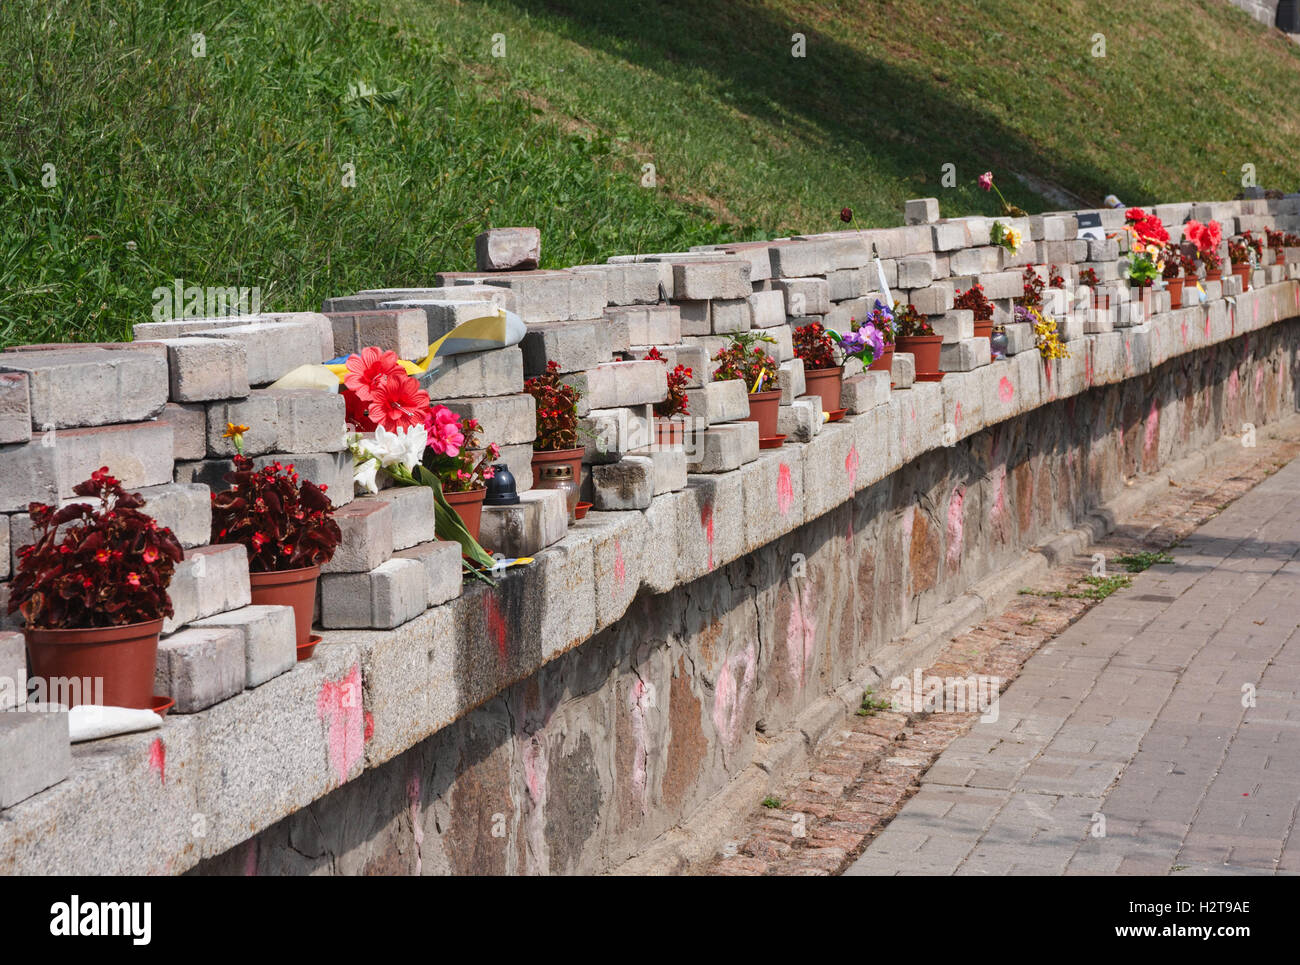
<point>1207,323</point>
<point>1128,354</point>
<point>370,726</point>
<point>250,859</point>
<point>1183,326</point>
<point>620,568</point>
<point>706,520</point>
<point>1087,368</point>
<point>956,416</point>
<point>339,704</point>
<point>784,490</point>
<point>496,624</point>
<point>851,465</point>
<point>1006,391</point>
<point>158,759</point>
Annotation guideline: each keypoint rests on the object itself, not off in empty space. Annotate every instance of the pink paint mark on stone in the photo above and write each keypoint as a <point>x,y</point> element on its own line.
<point>639,699</point>
<point>535,767</point>
<point>735,682</point>
<point>250,859</point>
<point>909,521</point>
<point>495,625</point>
<point>1153,427</point>
<point>417,826</point>
<point>1233,384</point>
<point>370,726</point>
<point>1087,368</point>
<point>1128,354</point>
<point>1006,391</point>
<point>1207,324</point>
<point>339,705</point>
<point>956,524</point>
<point>801,634</point>
<point>784,490</point>
<point>1256,306</point>
<point>706,520</point>
<point>956,416</point>
<point>851,465</point>
<point>158,759</point>
<point>999,492</point>
<point>620,568</point>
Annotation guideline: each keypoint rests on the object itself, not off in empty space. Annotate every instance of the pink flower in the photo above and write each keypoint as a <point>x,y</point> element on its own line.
<point>986,180</point>
<point>445,435</point>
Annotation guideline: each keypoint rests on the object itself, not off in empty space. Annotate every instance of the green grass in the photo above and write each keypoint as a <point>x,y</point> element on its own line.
<point>1092,588</point>
<point>227,170</point>
<point>1140,562</point>
<point>871,704</point>
<point>771,802</point>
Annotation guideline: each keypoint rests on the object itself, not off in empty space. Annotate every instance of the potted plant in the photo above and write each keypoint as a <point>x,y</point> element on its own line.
<point>915,335</point>
<point>557,422</point>
<point>1046,337</point>
<point>1277,242</point>
<point>1239,254</point>
<point>973,300</point>
<point>1146,229</point>
<point>1171,271</point>
<point>670,427</point>
<point>1033,285</point>
<point>450,454</point>
<point>744,360</point>
<point>92,589</point>
<point>286,525</point>
<point>822,374</point>
<point>1088,277</point>
<point>866,342</point>
<point>882,319</point>
<point>1143,267</point>
<point>1206,238</point>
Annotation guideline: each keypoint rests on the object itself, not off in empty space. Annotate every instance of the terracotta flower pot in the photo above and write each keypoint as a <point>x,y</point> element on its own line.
<point>886,361</point>
<point>1175,286</point>
<point>1214,276</point>
<point>925,350</point>
<point>984,329</point>
<point>669,432</point>
<point>1281,256</point>
<point>572,457</point>
<point>763,409</point>
<point>295,588</point>
<point>124,658</point>
<point>470,508</point>
<point>825,383</point>
<point>1243,272</point>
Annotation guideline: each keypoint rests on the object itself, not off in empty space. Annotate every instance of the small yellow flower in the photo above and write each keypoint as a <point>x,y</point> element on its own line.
<point>1013,239</point>
<point>235,433</point>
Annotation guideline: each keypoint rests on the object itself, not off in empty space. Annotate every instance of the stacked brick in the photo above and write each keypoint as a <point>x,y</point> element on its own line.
<point>153,411</point>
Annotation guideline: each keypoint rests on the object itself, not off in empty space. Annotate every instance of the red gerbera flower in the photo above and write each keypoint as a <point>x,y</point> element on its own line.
<point>399,404</point>
<point>369,371</point>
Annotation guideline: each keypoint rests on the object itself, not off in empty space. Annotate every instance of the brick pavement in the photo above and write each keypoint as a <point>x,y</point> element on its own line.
<point>1047,768</point>
<point>1140,716</point>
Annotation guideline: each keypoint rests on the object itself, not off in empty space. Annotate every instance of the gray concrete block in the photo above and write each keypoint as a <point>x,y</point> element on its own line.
<point>626,484</point>
<point>669,467</point>
<point>209,580</point>
<point>15,408</point>
<point>865,391</point>
<point>202,369</point>
<point>13,668</point>
<point>730,315</point>
<point>628,284</point>
<point>725,447</point>
<point>139,454</point>
<point>273,348</point>
<point>648,325</point>
<point>442,567</point>
<point>801,419</point>
<point>270,639</point>
<point>389,595</point>
<point>259,411</point>
<point>954,325</point>
<point>804,297</point>
<point>184,508</point>
<point>508,249</point>
<point>403,331</point>
<point>189,423</point>
<point>723,278</point>
<point>800,259</point>
<point>790,377</point>
<point>614,384</point>
<point>934,300</point>
<point>476,374</point>
<point>75,387</point>
<point>574,346</point>
<point>308,420</point>
<point>367,529</point>
<point>965,355</point>
<point>413,511</point>
<point>34,753</point>
<point>199,667</point>
<point>540,518</point>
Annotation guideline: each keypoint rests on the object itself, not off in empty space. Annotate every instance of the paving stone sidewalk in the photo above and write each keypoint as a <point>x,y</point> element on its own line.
<point>1170,712</point>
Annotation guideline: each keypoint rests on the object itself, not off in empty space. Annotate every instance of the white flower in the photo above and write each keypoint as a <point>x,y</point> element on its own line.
<point>364,476</point>
<point>414,440</point>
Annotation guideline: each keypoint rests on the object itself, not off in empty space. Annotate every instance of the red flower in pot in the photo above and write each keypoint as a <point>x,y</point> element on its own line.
<point>286,525</point>
<point>92,589</point>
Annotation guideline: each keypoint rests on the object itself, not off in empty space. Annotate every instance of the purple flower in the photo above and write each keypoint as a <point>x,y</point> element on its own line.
<point>865,339</point>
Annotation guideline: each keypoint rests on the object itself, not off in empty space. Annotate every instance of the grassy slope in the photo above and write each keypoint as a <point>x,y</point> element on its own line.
<point>226,170</point>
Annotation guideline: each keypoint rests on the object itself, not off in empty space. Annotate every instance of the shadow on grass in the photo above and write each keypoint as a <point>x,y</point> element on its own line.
<point>858,103</point>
